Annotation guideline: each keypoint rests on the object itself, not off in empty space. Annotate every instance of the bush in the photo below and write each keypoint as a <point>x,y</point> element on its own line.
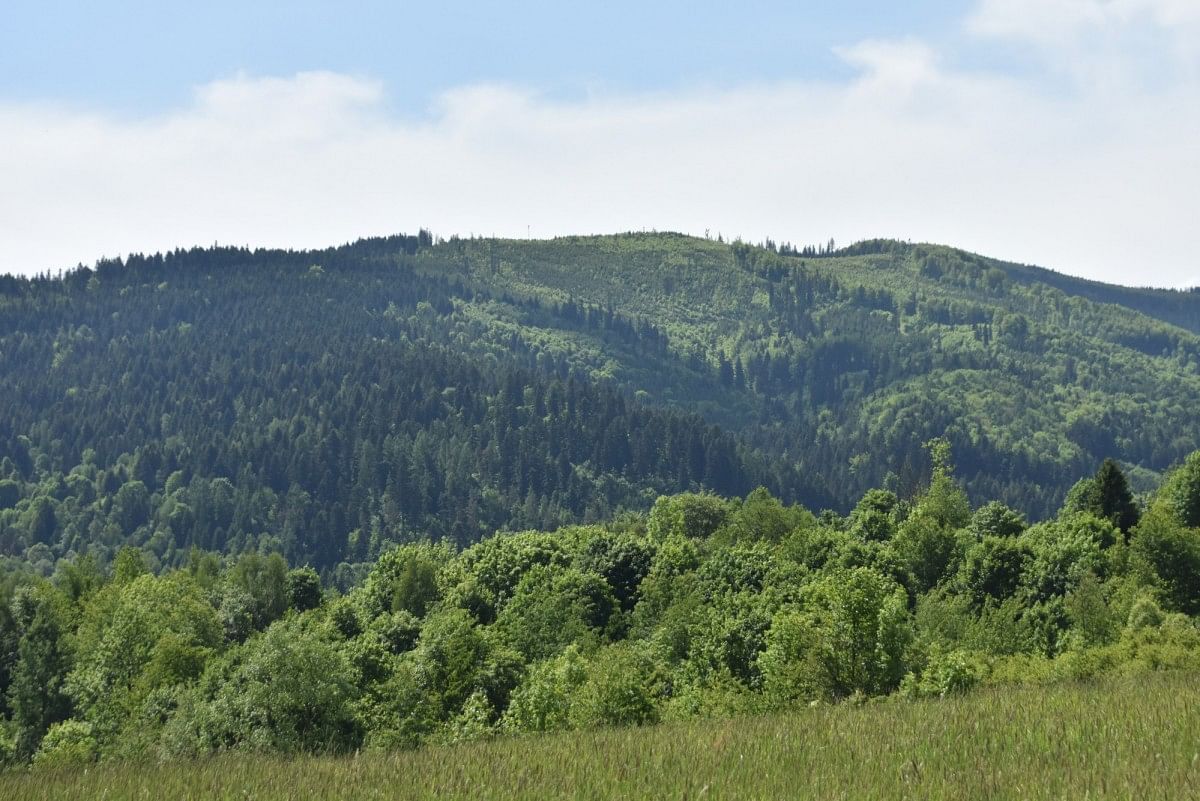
<point>994,519</point>
<point>851,637</point>
<point>399,713</point>
<point>688,515</point>
<point>542,702</point>
<point>287,690</point>
<point>619,690</point>
<point>1144,614</point>
<point>944,674</point>
<point>67,744</point>
<point>553,607</point>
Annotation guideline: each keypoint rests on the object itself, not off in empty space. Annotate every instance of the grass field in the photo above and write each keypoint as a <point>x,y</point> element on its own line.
<point>1126,739</point>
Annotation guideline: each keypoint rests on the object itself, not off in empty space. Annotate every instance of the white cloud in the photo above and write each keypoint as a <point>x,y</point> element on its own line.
<point>1054,20</point>
<point>892,64</point>
<point>1103,43</point>
<point>1098,183</point>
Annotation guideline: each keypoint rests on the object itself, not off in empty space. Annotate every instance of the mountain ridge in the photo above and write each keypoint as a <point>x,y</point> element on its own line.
<point>819,375</point>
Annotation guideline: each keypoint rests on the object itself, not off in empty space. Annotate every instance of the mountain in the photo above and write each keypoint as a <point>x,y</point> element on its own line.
<point>327,403</point>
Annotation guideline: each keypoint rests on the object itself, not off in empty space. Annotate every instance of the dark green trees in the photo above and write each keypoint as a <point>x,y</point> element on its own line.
<point>1116,501</point>
<point>402,390</point>
<point>1107,496</point>
<point>37,693</point>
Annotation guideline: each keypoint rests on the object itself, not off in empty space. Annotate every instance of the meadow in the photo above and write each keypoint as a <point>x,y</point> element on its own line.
<point>1120,738</point>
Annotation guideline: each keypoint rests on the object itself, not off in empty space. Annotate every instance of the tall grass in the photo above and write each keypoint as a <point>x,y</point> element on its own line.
<point>1118,739</point>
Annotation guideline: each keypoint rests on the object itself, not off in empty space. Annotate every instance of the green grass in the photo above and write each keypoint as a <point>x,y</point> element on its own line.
<point>1135,739</point>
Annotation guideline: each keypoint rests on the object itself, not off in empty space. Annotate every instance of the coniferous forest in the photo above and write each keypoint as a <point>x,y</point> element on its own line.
<point>416,491</point>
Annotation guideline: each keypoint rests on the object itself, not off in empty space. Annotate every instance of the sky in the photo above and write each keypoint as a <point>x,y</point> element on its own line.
<point>1064,133</point>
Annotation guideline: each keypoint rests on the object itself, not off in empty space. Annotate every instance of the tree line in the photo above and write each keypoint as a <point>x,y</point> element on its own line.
<point>704,606</point>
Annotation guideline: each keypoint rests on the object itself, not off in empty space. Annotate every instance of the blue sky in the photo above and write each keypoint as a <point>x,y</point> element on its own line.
<point>1059,132</point>
<point>145,56</point>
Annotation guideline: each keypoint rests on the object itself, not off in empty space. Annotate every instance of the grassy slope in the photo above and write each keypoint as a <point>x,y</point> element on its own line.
<point>1121,739</point>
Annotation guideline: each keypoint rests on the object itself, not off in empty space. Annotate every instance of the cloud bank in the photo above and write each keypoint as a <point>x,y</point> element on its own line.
<point>1096,174</point>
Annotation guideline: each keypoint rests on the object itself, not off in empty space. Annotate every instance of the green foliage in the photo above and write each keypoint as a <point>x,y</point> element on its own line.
<point>10,493</point>
<point>303,589</point>
<point>1181,491</point>
<point>400,712</point>
<point>944,674</point>
<point>68,744</point>
<point>1171,555</point>
<point>406,578</point>
<point>456,657</point>
<point>262,581</point>
<point>1065,551</point>
<point>850,637</point>
<point>1145,613</point>
<point>703,607</point>
<point>1116,501</point>
<point>131,506</point>
<point>622,560</point>
<point>452,389</point>
<point>135,637</point>
<point>994,519</point>
<point>1088,610</point>
<point>688,515</point>
<point>489,572</point>
<point>994,569</point>
<point>551,609</point>
<point>620,690</point>
<point>1078,740</point>
<point>763,517</point>
<point>542,702</point>
<point>1105,495</point>
<point>129,564</point>
<point>874,518</point>
<point>37,694</point>
<point>286,690</point>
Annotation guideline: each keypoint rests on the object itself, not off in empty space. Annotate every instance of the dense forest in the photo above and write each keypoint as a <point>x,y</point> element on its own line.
<point>328,405</point>
<point>704,606</point>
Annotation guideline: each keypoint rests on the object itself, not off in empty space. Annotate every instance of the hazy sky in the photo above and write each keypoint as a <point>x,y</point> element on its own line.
<point>1059,132</point>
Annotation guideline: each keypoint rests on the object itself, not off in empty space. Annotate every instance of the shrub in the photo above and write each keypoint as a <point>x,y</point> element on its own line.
<point>944,674</point>
<point>67,744</point>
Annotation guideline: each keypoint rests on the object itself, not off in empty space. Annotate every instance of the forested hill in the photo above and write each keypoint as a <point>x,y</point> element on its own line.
<point>327,403</point>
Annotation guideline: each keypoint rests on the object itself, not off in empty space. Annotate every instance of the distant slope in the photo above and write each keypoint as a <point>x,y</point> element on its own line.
<point>235,401</point>
<point>848,363</point>
<point>329,402</point>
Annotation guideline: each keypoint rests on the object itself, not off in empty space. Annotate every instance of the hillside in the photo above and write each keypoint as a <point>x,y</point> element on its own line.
<point>328,403</point>
<point>847,364</point>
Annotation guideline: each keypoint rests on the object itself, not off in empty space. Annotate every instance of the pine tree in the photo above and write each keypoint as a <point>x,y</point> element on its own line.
<point>1116,501</point>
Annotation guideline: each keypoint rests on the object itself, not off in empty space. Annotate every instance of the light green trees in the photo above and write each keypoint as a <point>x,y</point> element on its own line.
<point>1170,554</point>
<point>552,608</point>
<point>850,636</point>
<point>406,578</point>
<point>995,519</point>
<point>928,543</point>
<point>688,515</point>
<point>543,700</point>
<point>134,638</point>
<point>288,689</point>
<point>994,569</point>
<point>1181,492</point>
